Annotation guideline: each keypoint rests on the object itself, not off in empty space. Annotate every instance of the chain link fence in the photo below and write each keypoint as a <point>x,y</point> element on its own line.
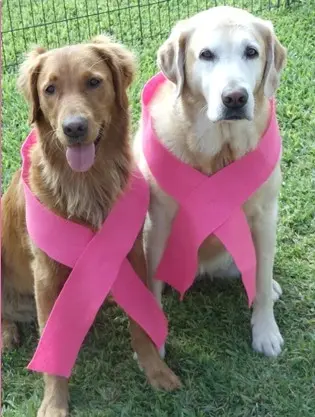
<point>53,23</point>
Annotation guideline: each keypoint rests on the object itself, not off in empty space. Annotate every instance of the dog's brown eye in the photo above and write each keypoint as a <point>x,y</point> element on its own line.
<point>94,82</point>
<point>50,89</point>
<point>251,52</point>
<point>207,55</point>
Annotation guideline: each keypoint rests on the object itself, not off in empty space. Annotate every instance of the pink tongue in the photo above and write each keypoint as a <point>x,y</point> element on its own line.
<point>81,157</point>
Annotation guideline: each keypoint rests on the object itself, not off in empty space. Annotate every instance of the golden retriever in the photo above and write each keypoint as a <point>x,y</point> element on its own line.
<point>77,95</point>
<point>219,57</point>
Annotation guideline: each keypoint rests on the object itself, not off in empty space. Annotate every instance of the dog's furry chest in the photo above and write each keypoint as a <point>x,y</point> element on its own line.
<point>82,200</point>
<point>84,206</point>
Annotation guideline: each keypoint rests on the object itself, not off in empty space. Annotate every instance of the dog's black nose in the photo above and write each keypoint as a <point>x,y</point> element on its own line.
<point>75,127</point>
<point>234,99</point>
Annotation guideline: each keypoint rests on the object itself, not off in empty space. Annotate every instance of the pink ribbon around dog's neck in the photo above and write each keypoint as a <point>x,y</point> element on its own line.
<point>99,266</point>
<point>207,205</point>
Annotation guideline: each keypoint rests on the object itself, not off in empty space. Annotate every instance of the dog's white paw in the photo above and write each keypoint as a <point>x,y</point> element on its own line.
<point>276,291</point>
<point>162,352</point>
<point>267,338</point>
<point>135,357</point>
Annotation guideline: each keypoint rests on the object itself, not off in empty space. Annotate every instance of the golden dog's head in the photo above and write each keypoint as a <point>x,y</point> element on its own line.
<point>73,93</point>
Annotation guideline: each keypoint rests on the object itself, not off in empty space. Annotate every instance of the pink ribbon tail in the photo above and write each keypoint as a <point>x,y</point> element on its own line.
<point>236,236</point>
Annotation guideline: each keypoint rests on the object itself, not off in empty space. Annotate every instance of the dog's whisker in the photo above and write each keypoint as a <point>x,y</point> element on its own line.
<point>96,63</point>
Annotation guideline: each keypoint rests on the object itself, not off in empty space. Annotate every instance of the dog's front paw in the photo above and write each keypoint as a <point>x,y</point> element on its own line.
<point>10,335</point>
<point>276,291</point>
<point>162,377</point>
<point>267,338</point>
<point>49,408</point>
<point>159,375</point>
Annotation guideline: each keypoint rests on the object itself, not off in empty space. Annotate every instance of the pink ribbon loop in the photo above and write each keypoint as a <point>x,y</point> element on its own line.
<point>99,265</point>
<point>208,205</point>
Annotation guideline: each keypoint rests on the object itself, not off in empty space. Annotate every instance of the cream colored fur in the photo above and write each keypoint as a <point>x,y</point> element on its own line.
<point>184,123</point>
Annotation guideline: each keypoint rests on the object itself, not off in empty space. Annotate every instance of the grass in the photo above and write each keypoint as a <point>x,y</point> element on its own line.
<point>209,342</point>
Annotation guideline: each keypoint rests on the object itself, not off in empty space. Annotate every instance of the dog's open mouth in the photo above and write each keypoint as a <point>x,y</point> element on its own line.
<point>81,157</point>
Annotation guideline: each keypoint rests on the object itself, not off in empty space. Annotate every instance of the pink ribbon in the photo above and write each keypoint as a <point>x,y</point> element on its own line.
<point>99,266</point>
<point>208,205</point>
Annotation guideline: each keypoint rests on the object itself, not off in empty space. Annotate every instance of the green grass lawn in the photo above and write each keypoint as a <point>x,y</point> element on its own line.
<point>210,340</point>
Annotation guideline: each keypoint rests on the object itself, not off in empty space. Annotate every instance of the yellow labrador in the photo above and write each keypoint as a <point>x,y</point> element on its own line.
<point>222,67</point>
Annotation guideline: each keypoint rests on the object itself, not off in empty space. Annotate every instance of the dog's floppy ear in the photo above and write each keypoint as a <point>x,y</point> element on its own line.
<point>27,80</point>
<point>275,57</point>
<point>171,55</point>
<point>121,62</point>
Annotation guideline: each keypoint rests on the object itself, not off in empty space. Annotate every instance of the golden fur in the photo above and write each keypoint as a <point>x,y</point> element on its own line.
<point>85,198</point>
